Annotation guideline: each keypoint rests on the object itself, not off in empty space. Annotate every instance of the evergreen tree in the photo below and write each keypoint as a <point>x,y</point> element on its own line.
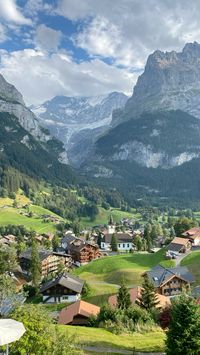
<point>123,297</point>
<point>35,264</point>
<point>114,242</point>
<point>99,239</point>
<point>184,329</point>
<point>148,295</point>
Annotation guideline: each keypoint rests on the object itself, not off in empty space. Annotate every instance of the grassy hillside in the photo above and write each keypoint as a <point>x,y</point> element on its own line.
<point>104,275</point>
<point>16,215</point>
<point>192,261</point>
<point>101,338</point>
<point>104,215</point>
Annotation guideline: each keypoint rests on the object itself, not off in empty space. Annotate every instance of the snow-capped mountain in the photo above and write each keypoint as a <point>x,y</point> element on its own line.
<point>78,121</point>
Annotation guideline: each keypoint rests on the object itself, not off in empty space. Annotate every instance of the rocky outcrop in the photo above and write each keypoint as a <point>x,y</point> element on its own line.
<point>170,81</point>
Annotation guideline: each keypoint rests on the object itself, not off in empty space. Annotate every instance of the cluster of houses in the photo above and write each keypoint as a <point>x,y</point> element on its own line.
<point>191,239</point>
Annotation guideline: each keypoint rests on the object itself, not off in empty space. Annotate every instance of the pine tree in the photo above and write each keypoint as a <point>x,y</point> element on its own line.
<point>35,264</point>
<point>123,297</point>
<point>148,295</point>
<point>99,239</point>
<point>114,242</point>
<point>184,329</point>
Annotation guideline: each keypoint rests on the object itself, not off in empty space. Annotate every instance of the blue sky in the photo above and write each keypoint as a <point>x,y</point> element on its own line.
<point>88,47</point>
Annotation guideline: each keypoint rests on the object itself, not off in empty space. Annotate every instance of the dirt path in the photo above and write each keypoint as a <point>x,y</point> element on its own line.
<point>116,351</point>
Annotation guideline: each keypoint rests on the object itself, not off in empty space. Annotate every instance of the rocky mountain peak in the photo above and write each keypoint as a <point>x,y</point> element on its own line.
<point>171,81</point>
<point>9,92</point>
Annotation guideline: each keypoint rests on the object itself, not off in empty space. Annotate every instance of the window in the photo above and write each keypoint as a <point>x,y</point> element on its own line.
<point>127,245</point>
<point>65,297</point>
<point>124,245</point>
<point>119,245</point>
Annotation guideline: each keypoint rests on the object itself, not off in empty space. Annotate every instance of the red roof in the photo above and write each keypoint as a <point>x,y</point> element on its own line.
<point>78,308</point>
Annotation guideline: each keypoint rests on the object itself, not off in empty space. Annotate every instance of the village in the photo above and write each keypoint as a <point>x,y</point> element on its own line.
<point>59,283</point>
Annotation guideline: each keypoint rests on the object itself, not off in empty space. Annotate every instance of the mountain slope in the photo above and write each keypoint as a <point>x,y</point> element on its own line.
<point>78,121</point>
<point>24,144</point>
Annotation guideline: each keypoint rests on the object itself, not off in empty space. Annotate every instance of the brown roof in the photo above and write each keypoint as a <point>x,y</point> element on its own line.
<point>78,308</point>
<point>135,295</point>
<point>193,233</point>
<point>181,241</point>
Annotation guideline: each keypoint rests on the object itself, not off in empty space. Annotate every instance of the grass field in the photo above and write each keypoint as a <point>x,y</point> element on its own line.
<point>192,261</point>
<point>97,337</point>
<point>104,215</point>
<point>104,275</point>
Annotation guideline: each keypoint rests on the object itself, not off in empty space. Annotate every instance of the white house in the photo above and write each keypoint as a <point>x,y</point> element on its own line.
<point>124,241</point>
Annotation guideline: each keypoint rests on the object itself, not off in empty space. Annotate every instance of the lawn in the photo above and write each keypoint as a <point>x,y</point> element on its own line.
<point>10,215</point>
<point>104,215</point>
<point>105,274</point>
<point>192,261</point>
<point>101,338</point>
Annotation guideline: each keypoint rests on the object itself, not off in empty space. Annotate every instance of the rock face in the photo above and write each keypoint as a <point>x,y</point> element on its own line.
<point>78,121</point>
<point>11,101</point>
<point>170,81</point>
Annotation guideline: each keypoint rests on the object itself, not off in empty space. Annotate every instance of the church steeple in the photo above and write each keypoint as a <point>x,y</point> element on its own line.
<point>111,225</point>
<point>111,222</point>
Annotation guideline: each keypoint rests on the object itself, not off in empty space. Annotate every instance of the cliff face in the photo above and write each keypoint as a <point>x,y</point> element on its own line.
<point>170,81</point>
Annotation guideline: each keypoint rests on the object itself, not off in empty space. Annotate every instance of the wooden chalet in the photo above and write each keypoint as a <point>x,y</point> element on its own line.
<point>49,261</point>
<point>170,281</point>
<point>78,313</point>
<point>81,251</point>
<point>193,235</point>
<point>63,288</point>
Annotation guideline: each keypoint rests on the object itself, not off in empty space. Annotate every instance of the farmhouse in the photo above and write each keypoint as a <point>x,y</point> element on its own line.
<point>64,288</point>
<point>124,241</point>
<point>49,261</point>
<point>170,282</point>
<point>78,313</point>
<point>81,252</point>
<point>193,235</point>
<point>179,245</point>
<point>135,296</point>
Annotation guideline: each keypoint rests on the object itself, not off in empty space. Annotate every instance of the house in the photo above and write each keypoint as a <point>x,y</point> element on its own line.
<point>179,245</point>
<point>49,261</point>
<point>193,235</point>
<point>78,313</point>
<point>81,251</point>
<point>135,296</point>
<point>63,288</point>
<point>8,240</point>
<point>170,281</point>
<point>124,241</point>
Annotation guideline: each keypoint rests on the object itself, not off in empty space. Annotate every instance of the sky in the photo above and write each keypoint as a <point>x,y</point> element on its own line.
<point>88,47</point>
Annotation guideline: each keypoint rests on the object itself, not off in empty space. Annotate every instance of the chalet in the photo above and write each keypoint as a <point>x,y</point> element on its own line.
<point>193,235</point>
<point>64,288</point>
<point>124,241</point>
<point>81,251</point>
<point>78,313</point>
<point>49,261</point>
<point>135,296</point>
<point>8,240</point>
<point>170,281</point>
<point>179,245</point>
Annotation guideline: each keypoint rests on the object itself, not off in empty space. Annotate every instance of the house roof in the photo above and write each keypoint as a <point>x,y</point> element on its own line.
<point>135,295</point>
<point>43,254</point>
<point>192,233</point>
<point>159,275</point>
<point>121,237</point>
<point>66,280</point>
<point>78,308</point>
<point>178,243</point>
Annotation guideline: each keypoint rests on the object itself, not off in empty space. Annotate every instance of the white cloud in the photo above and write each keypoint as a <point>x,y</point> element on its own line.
<point>40,76</point>
<point>47,38</point>
<point>3,35</point>
<point>142,26</point>
<point>9,11</point>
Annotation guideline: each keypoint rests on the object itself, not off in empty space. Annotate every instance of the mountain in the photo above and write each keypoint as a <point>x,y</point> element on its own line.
<point>153,146</point>
<point>24,144</point>
<point>78,121</point>
<point>170,81</point>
